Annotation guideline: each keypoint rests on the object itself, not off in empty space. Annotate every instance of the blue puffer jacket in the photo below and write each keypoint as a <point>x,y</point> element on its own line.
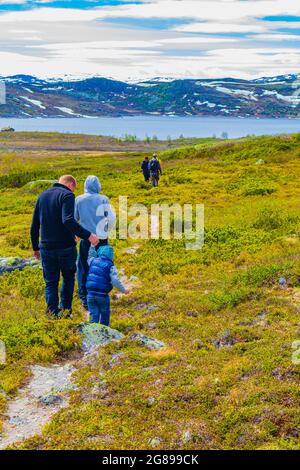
<point>99,280</point>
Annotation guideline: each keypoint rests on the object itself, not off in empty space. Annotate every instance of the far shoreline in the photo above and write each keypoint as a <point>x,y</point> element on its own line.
<point>157,127</point>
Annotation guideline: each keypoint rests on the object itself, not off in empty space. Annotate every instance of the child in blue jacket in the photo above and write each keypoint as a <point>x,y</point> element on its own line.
<point>102,277</point>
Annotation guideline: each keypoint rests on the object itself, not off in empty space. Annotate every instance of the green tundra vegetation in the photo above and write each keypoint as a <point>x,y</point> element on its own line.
<point>226,379</point>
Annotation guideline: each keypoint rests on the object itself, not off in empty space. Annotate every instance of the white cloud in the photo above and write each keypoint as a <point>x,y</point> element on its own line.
<point>236,62</point>
<point>56,41</point>
<point>221,28</point>
<point>213,10</point>
<point>196,40</point>
<point>275,37</point>
<point>50,15</point>
<point>13,2</point>
<point>102,45</point>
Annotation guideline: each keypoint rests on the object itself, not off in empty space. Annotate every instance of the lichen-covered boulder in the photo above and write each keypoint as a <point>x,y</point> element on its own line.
<point>95,335</point>
<point>144,340</point>
<point>8,265</point>
<point>36,187</point>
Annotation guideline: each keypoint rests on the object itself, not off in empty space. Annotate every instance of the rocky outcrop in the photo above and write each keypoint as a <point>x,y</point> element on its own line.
<point>46,393</point>
<point>37,186</point>
<point>95,335</point>
<point>8,265</point>
<point>146,341</point>
<point>49,388</point>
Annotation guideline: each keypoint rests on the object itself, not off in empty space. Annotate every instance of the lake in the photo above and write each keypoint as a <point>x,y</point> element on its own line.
<point>160,126</point>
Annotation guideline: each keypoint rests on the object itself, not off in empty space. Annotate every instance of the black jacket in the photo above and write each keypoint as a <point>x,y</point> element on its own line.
<point>53,223</point>
<point>145,167</point>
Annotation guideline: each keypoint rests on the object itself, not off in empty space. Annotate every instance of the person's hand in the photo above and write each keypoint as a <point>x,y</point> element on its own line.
<point>127,292</point>
<point>94,239</point>
<point>37,255</point>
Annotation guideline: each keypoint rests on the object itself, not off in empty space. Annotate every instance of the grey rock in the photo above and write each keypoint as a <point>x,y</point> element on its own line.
<point>151,401</point>
<point>154,442</point>
<point>146,306</point>
<point>225,341</point>
<point>8,265</point>
<point>187,437</point>
<point>132,250</point>
<point>152,325</point>
<point>260,320</point>
<point>49,400</point>
<point>282,282</point>
<point>282,374</point>
<point>16,421</point>
<point>144,340</point>
<point>95,335</point>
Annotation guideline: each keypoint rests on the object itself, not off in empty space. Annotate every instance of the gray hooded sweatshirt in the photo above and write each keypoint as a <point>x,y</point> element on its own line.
<point>93,210</point>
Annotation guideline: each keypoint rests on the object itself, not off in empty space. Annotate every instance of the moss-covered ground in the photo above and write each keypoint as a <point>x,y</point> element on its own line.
<point>226,379</point>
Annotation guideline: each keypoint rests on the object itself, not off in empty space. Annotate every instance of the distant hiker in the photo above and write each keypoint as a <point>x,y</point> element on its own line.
<point>95,214</point>
<point>53,232</point>
<point>155,170</point>
<point>102,277</point>
<point>145,169</point>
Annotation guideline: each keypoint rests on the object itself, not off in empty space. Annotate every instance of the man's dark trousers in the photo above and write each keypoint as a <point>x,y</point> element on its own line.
<point>55,263</point>
<point>83,268</point>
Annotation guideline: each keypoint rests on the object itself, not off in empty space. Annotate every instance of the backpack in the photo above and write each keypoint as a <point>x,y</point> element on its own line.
<point>153,166</point>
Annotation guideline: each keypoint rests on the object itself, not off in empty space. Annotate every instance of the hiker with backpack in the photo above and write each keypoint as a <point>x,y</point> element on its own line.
<point>145,169</point>
<point>155,170</point>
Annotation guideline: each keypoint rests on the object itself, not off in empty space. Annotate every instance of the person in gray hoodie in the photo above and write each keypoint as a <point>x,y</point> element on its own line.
<point>93,210</point>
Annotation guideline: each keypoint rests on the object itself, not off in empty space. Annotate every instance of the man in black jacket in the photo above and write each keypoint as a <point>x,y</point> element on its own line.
<point>145,169</point>
<point>53,232</point>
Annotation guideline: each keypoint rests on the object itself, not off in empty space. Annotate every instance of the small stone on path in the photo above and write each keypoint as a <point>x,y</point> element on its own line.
<point>144,340</point>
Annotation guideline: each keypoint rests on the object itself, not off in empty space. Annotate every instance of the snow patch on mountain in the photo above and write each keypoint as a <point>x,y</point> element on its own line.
<point>206,103</point>
<point>292,99</point>
<point>66,110</point>
<point>228,91</point>
<point>34,102</point>
<point>27,89</point>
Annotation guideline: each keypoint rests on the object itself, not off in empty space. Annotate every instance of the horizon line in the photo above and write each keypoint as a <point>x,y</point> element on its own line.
<point>141,80</point>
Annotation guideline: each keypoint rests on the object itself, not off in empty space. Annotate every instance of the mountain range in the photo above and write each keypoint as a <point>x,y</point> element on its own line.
<point>30,97</point>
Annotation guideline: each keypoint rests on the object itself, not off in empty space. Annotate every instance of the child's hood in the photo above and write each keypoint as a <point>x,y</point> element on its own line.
<point>106,251</point>
<point>92,185</point>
